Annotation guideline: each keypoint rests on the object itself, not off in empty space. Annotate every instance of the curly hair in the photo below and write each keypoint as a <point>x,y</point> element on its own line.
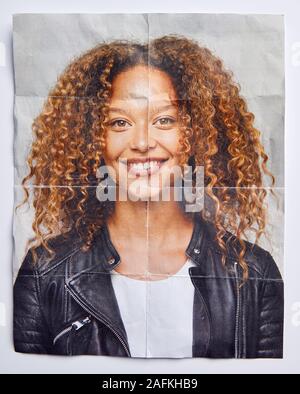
<point>217,131</point>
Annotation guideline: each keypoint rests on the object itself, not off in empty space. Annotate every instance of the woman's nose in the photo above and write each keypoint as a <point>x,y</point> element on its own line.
<point>142,140</point>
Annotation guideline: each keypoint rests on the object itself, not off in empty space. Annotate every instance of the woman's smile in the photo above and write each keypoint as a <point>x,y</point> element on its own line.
<point>138,167</point>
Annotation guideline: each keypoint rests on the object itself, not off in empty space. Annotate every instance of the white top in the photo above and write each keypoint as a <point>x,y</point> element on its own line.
<point>157,315</point>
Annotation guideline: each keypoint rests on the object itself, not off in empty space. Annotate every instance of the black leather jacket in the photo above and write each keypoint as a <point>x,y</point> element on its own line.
<point>68,306</point>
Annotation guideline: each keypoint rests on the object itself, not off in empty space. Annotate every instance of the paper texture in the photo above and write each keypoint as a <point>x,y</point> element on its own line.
<point>146,288</point>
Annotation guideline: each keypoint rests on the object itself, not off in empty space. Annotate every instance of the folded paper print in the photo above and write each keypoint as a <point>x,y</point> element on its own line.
<point>149,185</point>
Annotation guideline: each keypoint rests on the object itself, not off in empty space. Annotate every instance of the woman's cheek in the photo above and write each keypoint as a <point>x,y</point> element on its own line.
<point>116,143</point>
<point>170,139</point>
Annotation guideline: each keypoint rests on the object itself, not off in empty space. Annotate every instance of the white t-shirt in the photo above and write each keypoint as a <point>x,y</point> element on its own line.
<point>157,315</point>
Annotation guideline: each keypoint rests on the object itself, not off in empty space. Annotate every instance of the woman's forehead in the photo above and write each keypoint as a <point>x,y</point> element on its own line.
<point>152,106</point>
<point>143,83</point>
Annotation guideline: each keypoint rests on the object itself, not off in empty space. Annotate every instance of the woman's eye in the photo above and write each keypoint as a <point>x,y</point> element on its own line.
<point>165,122</point>
<point>119,124</point>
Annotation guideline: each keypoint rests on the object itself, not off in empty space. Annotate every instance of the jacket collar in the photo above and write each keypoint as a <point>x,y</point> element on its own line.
<point>195,250</point>
<point>197,247</point>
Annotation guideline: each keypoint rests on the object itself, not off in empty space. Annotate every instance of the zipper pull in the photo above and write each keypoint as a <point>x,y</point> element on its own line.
<point>236,264</point>
<point>80,323</point>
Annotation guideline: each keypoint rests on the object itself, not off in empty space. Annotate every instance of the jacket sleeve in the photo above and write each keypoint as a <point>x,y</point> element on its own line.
<point>271,319</point>
<point>29,326</point>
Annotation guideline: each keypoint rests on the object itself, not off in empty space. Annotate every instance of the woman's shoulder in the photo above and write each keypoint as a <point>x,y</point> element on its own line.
<point>257,258</point>
<point>38,260</point>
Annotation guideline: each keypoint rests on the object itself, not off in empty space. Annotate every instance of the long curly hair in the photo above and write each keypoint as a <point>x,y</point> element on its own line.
<point>217,132</point>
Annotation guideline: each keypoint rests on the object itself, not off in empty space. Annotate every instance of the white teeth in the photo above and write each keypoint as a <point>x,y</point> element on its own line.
<point>144,166</point>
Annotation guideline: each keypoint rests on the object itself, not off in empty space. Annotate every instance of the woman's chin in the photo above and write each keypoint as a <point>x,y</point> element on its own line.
<point>143,192</point>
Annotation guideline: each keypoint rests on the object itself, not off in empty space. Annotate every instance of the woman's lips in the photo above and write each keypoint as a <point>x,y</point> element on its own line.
<point>148,167</point>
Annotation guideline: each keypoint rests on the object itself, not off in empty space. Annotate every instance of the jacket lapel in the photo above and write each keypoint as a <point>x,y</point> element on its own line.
<point>214,319</point>
<point>92,287</point>
<point>197,252</point>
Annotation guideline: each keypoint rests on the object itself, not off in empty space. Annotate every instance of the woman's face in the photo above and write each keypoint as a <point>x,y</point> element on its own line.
<point>142,145</point>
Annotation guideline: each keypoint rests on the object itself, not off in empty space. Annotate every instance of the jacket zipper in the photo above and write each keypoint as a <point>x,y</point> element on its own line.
<point>74,326</point>
<point>204,305</point>
<point>237,319</point>
<point>86,308</point>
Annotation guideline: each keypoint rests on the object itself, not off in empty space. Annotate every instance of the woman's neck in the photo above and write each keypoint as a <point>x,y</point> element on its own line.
<point>132,220</point>
<point>150,237</point>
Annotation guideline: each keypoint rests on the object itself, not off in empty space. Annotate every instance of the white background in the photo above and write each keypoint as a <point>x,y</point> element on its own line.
<point>11,362</point>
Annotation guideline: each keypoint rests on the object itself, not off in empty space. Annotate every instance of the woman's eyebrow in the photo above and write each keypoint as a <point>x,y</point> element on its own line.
<point>120,110</point>
<point>153,110</point>
<point>156,110</point>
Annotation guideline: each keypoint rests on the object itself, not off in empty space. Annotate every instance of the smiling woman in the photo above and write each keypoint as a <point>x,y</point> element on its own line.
<point>138,275</point>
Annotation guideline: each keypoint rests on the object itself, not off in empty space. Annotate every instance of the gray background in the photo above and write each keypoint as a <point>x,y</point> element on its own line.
<point>11,362</point>
<point>252,46</point>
